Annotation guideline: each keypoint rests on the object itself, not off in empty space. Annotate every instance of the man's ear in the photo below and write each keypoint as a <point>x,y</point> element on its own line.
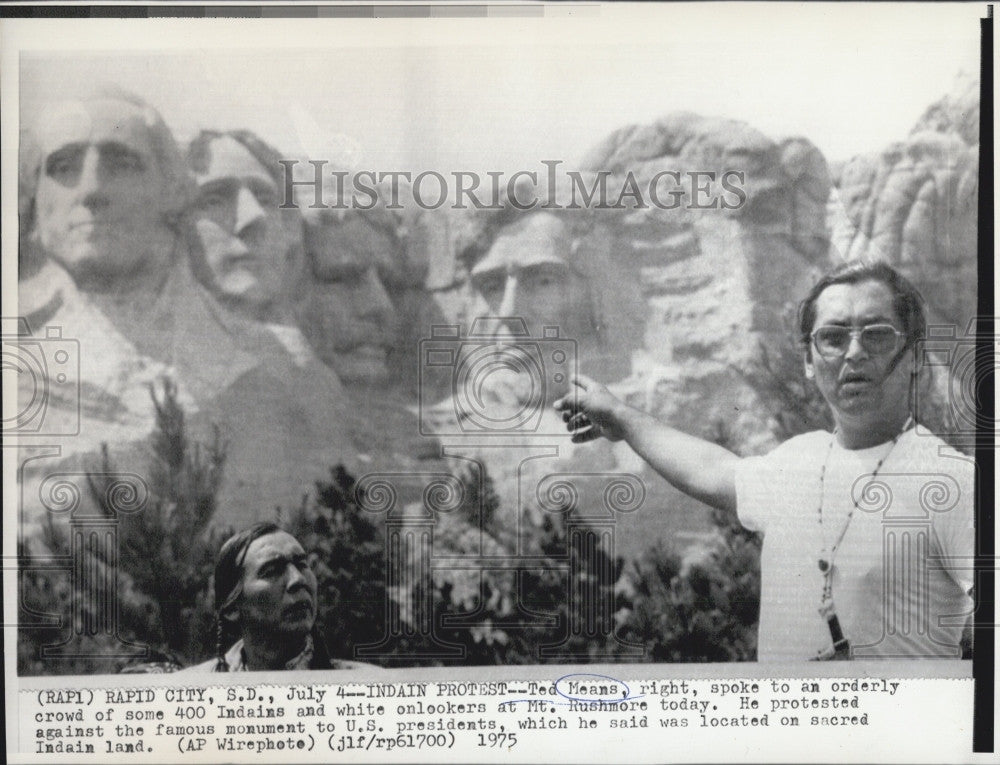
<point>808,369</point>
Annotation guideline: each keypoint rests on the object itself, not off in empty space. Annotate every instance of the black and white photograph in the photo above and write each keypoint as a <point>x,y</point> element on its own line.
<point>577,342</point>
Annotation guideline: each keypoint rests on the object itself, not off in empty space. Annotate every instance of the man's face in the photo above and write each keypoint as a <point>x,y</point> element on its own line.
<point>101,194</point>
<point>279,588</point>
<point>860,385</point>
<point>350,319</point>
<point>245,237</point>
<point>350,322</point>
<point>526,275</point>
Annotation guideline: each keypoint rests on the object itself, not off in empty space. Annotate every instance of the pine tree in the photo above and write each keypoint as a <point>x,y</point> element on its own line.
<point>347,552</point>
<point>165,554</point>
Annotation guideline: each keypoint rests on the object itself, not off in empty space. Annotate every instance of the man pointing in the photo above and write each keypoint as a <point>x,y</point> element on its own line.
<point>859,559</point>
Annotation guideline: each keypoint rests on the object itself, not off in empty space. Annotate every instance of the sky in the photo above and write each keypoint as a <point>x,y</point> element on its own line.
<point>481,94</point>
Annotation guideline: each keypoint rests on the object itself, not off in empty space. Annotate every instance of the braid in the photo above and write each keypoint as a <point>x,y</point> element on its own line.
<point>220,635</point>
<point>228,582</point>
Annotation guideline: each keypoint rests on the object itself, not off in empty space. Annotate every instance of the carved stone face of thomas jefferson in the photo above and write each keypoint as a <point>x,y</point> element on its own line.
<point>246,239</point>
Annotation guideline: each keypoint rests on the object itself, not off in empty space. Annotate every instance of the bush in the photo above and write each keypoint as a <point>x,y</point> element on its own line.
<point>347,551</point>
<point>794,402</point>
<point>703,608</point>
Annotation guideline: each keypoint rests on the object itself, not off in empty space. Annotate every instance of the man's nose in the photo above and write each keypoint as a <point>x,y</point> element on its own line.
<point>90,183</point>
<point>248,210</point>
<point>373,298</point>
<point>510,303</point>
<point>296,576</point>
<point>855,350</point>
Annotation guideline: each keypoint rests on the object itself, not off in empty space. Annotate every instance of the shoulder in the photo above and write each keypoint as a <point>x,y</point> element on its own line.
<point>797,454</point>
<point>928,453</point>
<point>800,447</point>
<point>769,488</point>
<point>206,666</point>
<point>942,477</point>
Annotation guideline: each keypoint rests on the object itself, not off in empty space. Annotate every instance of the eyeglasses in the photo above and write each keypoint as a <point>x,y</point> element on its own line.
<point>877,339</point>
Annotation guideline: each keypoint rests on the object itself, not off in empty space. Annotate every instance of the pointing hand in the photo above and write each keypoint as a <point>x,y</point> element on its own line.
<point>591,411</point>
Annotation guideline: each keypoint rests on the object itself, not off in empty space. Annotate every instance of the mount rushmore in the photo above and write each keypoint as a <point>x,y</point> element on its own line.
<point>297,337</point>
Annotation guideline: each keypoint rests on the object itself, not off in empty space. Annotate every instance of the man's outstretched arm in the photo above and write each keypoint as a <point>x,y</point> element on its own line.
<point>699,468</point>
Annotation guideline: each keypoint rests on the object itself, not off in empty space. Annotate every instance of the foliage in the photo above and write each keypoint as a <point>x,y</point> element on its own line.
<point>165,548</point>
<point>348,556</point>
<point>165,555</point>
<point>489,616</point>
<point>525,616</point>
<point>480,501</point>
<point>700,608</point>
<point>583,598</point>
<point>778,377</point>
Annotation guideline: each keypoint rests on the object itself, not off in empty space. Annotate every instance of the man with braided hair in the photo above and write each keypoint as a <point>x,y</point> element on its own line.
<point>265,599</point>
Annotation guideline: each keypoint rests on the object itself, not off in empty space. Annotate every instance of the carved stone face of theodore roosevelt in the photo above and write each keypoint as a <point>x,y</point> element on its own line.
<point>348,316</point>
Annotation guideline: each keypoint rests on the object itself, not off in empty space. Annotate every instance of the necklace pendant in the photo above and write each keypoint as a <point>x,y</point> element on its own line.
<point>827,609</point>
<point>824,565</point>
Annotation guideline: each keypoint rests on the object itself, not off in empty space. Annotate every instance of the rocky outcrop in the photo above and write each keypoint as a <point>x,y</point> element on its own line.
<point>284,416</point>
<point>682,289</point>
<point>685,287</point>
<point>786,180</point>
<point>955,112</point>
<point>914,204</point>
<point>719,273</point>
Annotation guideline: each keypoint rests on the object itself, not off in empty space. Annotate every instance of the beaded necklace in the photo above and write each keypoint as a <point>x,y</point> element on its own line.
<point>826,608</point>
<point>826,561</point>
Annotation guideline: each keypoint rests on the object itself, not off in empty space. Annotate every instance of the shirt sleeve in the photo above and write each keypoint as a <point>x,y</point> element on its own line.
<point>752,501</point>
<point>766,484</point>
